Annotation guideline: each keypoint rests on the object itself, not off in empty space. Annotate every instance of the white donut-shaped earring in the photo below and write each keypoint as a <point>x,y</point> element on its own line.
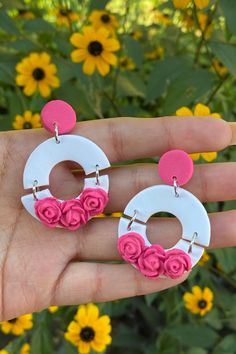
<point>152,260</point>
<point>59,118</point>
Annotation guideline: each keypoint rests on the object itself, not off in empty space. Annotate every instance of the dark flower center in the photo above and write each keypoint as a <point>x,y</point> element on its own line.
<point>27,125</point>
<point>95,48</point>
<point>87,334</point>
<point>3,110</point>
<point>166,15</point>
<point>65,12</point>
<point>202,304</point>
<point>13,320</point>
<point>38,74</point>
<point>22,11</point>
<point>105,18</point>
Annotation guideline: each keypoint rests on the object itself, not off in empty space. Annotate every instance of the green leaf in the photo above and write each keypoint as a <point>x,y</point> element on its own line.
<point>97,4</point>
<point>8,24</point>
<point>133,50</point>
<point>130,84</point>
<point>227,345</point>
<point>213,319</point>
<point>22,45</point>
<point>41,341</point>
<point>184,91</point>
<point>195,334</point>
<point>229,10</point>
<point>166,342</point>
<point>226,53</point>
<point>38,25</point>
<point>226,257</point>
<point>196,350</point>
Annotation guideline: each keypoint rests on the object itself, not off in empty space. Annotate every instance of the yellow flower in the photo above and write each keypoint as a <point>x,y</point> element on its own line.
<point>219,67</point>
<point>65,16</point>
<point>199,110</point>
<point>89,331</point>
<point>27,121</point>
<point>102,18</point>
<point>53,309</point>
<point>156,53</point>
<point>95,48</point>
<point>126,63</point>
<point>182,4</point>
<point>163,18</point>
<point>17,326</point>
<point>37,73</point>
<point>25,349</point>
<point>26,14</point>
<point>199,301</point>
<point>204,259</point>
<point>136,35</point>
<point>205,25</point>
<point>3,351</point>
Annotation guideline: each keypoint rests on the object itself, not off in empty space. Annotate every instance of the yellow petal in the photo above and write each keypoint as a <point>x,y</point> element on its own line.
<point>197,292</point>
<point>209,156</point>
<point>112,45</point>
<point>78,40</point>
<point>53,81</point>
<point>30,87</point>
<point>102,66</point>
<point>188,297</point>
<point>84,348</point>
<point>92,313</point>
<point>21,80</point>
<point>201,4</point>
<point>6,327</point>
<point>207,294</point>
<point>44,89</point>
<point>195,156</point>
<point>79,55</point>
<point>45,58</point>
<point>181,4</point>
<point>202,110</point>
<point>81,316</point>
<point>184,112</point>
<point>215,115</point>
<point>98,347</point>
<point>110,58</point>
<point>89,65</point>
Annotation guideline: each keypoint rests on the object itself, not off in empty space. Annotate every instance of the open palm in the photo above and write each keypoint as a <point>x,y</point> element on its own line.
<point>42,267</point>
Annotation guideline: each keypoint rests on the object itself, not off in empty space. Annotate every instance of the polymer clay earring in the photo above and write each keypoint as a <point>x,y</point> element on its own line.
<point>152,260</point>
<point>59,118</point>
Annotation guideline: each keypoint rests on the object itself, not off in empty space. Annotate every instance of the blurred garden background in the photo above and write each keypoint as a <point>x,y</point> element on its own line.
<point>145,58</point>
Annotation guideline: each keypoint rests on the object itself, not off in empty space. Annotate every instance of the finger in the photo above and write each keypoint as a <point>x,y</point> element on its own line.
<point>210,183</point>
<point>132,138</point>
<point>99,239</point>
<point>91,282</point>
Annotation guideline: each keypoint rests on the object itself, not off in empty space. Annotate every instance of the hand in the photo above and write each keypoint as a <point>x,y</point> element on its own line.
<point>42,267</point>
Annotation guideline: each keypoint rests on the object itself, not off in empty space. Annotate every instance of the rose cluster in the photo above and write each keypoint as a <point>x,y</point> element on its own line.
<point>72,213</point>
<point>153,260</point>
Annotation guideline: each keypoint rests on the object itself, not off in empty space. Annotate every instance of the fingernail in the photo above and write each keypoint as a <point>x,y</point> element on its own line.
<point>233,128</point>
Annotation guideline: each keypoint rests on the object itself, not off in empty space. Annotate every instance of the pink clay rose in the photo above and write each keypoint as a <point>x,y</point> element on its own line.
<point>130,246</point>
<point>73,214</point>
<point>176,262</point>
<point>151,261</point>
<point>48,210</point>
<point>94,200</point>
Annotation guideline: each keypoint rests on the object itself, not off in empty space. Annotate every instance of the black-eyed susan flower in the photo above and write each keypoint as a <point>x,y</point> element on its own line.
<point>136,35</point>
<point>162,18</point>
<point>65,16</point>
<point>204,259</point>
<point>156,53</point>
<point>25,349</point>
<point>27,120</point>
<point>199,301</point>
<point>89,331</point>
<point>53,309</point>
<point>3,351</point>
<point>219,67</point>
<point>205,24</point>
<point>126,63</point>
<point>102,18</point>
<point>182,4</point>
<point>37,73</point>
<point>18,325</point>
<point>95,48</point>
<point>200,110</point>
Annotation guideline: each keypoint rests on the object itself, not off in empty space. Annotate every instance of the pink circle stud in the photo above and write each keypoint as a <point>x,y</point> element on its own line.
<point>60,113</point>
<point>175,164</point>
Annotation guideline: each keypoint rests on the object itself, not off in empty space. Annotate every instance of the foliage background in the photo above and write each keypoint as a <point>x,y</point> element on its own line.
<point>157,323</point>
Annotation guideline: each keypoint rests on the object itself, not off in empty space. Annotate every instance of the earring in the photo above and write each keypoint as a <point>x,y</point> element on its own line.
<point>175,168</point>
<point>59,118</point>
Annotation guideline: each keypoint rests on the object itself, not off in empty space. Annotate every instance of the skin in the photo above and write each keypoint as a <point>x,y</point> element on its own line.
<point>40,267</point>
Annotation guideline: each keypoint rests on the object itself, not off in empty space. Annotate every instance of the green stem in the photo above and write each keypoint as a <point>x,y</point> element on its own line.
<point>217,88</point>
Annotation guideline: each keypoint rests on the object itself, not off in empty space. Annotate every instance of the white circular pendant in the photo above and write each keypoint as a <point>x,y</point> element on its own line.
<point>48,154</point>
<point>187,208</point>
